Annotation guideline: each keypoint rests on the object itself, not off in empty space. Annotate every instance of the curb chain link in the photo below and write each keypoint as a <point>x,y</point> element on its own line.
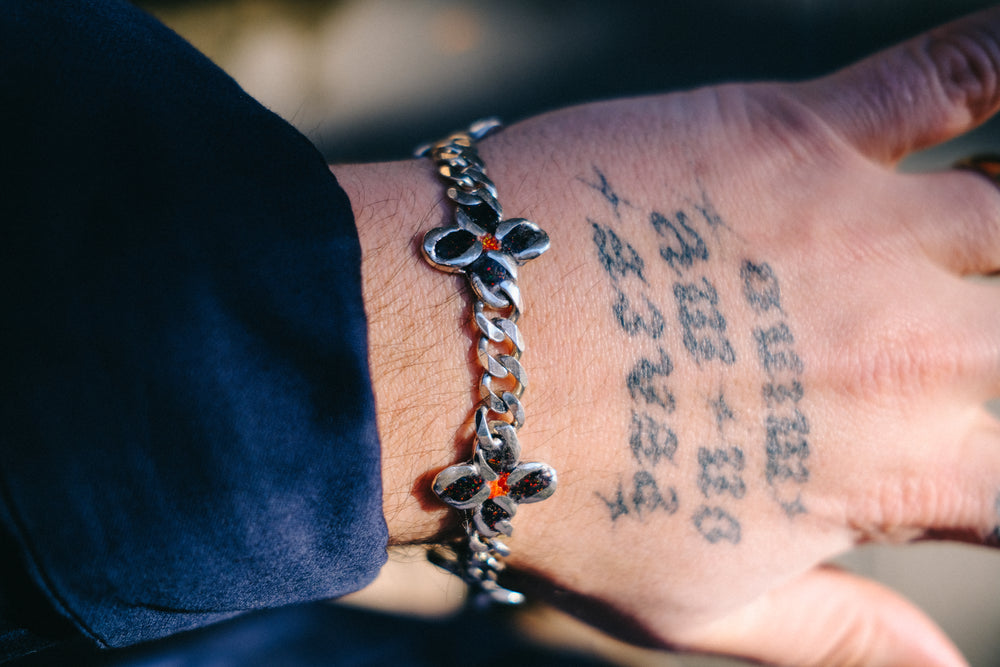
<point>478,558</point>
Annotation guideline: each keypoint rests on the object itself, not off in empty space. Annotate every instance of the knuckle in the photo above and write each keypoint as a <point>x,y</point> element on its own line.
<point>904,361</point>
<point>897,508</point>
<point>899,354</point>
<point>778,119</point>
<point>910,369</point>
<point>965,67</point>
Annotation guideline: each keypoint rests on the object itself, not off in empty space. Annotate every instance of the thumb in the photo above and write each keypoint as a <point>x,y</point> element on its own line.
<point>830,618</point>
<point>924,91</point>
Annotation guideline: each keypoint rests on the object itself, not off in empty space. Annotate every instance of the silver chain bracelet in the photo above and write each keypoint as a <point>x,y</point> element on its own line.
<point>488,249</point>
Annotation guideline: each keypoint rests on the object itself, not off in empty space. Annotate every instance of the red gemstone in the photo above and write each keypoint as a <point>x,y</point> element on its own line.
<point>490,242</point>
<point>498,487</point>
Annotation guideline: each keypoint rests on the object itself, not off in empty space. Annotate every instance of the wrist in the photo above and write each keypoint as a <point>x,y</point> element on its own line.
<point>416,334</point>
<point>423,367</point>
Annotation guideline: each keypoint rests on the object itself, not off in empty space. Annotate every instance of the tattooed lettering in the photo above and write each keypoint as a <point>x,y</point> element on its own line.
<point>642,382</point>
<point>786,444</point>
<point>717,525</point>
<point>633,322</point>
<point>708,212</point>
<point>616,506</point>
<point>791,507</point>
<point>685,240</point>
<point>620,260</point>
<point>760,287</point>
<point>720,478</point>
<point>721,411</point>
<point>604,187</point>
<point>618,257</point>
<point>720,472</point>
<point>787,448</point>
<point>684,245</point>
<point>775,394</point>
<point>774,347</point>
<point>704,327</point>
<point>795,423</point>
<point>651,440</point>
<point>786,427</point>
<point>646,497</point>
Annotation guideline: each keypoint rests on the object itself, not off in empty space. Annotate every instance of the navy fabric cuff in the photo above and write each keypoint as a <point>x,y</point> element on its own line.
<point>188,427</point>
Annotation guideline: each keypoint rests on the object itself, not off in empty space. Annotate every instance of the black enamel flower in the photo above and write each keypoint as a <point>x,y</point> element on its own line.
<point>487,251</point>
<point>495,483</point>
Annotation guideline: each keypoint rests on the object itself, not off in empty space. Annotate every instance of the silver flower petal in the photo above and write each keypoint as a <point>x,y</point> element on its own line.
<point>493,516</point>
<point>465,222</point>
<point>462,486</point>
<point>522,239</point>
<point>531,482</point>
<point>451,248</point>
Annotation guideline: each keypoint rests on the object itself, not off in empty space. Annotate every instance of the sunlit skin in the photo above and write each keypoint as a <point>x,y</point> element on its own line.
<point>751,347</point>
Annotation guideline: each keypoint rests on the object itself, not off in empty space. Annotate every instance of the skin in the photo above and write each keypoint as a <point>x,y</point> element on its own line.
<point>752,346</point>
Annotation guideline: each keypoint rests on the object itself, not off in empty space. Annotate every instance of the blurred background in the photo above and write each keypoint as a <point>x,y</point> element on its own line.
<point>370,79</point>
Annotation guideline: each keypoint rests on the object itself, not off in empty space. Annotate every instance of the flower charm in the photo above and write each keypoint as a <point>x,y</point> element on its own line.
<point>494,483</point>
<point>487,250</point>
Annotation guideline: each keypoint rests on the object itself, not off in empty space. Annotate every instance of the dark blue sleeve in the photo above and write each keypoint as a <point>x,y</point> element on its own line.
<point>186,426</point>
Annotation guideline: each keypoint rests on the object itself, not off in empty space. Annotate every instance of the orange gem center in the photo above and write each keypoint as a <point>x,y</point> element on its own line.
<point>498,487</point>
<point>490,242</point>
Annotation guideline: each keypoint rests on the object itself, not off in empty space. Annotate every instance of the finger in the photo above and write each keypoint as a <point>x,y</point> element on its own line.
<point>920,93</point>
<point>942,482</point>
<point>978,468</point>
<point>934,343</point>
<point>970,349</point>
<point>956,218</point>
<point>979,338</point>
<point>827,618</point>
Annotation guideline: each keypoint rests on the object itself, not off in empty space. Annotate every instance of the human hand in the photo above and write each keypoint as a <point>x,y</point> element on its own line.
<point>751,347</point>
